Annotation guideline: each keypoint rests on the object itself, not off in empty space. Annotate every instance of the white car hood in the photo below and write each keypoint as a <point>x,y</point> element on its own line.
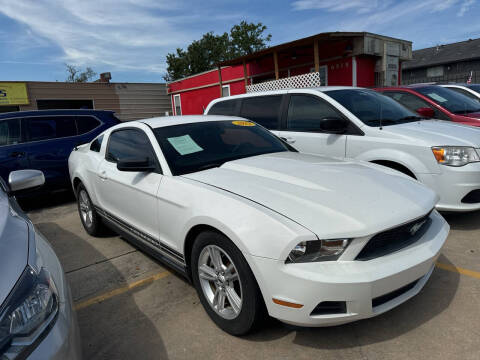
<point>437,132</point>
<point>330,197</point>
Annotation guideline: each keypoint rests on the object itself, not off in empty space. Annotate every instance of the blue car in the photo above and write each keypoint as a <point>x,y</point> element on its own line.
<point>43,140</point>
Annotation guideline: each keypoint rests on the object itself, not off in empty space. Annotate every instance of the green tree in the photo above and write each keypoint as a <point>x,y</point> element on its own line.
<point>202,55</point>
<point>74,74</point>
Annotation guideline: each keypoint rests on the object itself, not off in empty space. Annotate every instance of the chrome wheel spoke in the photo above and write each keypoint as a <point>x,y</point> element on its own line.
<point>216,258</point>
<point>233,299</point>
<point>207,273</point>
<point>221,300</point>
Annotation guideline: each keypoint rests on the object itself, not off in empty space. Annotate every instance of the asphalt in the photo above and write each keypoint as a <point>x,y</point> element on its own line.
<point>130,306</point>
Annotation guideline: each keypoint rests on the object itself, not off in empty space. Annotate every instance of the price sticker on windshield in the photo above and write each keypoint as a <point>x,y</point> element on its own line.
<point>243,123</point>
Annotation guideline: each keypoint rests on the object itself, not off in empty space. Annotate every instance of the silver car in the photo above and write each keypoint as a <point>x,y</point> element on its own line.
<point>37,320</point>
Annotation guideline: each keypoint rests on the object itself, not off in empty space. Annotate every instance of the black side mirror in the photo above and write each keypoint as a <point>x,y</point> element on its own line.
<point>334,125</point>
<point>135,164</point>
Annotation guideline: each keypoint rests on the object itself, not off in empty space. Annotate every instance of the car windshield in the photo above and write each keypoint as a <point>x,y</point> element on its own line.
<point>452,101</point>
<point>474,87</point>
<point>203,145</point>
<point>373,108</point>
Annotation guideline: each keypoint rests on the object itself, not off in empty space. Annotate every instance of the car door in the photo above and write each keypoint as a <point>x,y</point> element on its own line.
<point>301,126</point>
<point>129,196</point>
<point>13,149</point>
<point>50,142</point>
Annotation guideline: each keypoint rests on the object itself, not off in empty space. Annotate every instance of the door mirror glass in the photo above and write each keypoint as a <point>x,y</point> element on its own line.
<point>135,164</point>
<point>333,125</point>
<point>426,112</point>
<point>25,179</point>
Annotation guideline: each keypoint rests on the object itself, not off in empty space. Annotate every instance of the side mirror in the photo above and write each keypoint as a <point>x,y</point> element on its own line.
<point>135,164</point>
<point>25,179</point>
<point>333,125</point>
<point>426,112</point>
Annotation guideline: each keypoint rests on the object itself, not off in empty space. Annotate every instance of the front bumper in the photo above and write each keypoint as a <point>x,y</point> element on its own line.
<point>453,184</point>
<point>357,283</point>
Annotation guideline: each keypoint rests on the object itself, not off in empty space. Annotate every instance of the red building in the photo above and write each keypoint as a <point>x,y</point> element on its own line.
<point>340,58</point>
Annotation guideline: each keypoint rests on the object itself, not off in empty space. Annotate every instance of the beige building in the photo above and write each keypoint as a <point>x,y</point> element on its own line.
<point>130,101</point>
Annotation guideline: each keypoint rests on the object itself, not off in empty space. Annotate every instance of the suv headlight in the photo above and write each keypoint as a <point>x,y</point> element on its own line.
<point>317,250</point>
<point>27,312</point>
<point>455,155</point>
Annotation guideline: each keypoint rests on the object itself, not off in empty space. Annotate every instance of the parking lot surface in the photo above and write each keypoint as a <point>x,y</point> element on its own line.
<point>130,306</point>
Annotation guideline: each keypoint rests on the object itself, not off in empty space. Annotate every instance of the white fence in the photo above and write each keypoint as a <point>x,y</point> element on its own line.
<point>294,82</point>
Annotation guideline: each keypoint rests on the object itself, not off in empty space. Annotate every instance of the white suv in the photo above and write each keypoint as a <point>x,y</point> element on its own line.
<point>359,123</point>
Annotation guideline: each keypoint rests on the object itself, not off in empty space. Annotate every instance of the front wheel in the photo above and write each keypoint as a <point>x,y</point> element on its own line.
<point>225,284</point>
<point>88,215</point>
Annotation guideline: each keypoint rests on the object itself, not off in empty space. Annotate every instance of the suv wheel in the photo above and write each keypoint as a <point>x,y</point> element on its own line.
<point>225,284</point>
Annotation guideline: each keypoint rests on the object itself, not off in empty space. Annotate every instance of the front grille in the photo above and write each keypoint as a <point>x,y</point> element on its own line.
<point>392,240</point>
<point>380,300</point>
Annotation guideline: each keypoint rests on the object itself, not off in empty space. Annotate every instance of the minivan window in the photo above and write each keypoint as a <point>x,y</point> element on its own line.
<point>86,124</point>
<point>264,110</point>
<point>10,132</point>
<point>305,113</point>
<point>96,144</point>
<point>373,108</point>
<point>43,128</point>
<point>227,108</point>
<point>129,143</point>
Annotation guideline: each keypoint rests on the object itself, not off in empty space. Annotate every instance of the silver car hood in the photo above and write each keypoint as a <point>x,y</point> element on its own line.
<point>437,133</point>
<point>328,196</point>
<point>13,246</point>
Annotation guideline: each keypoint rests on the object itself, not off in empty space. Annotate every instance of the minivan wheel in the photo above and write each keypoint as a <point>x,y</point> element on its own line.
<point>88,215</point>
<point>225,284</point>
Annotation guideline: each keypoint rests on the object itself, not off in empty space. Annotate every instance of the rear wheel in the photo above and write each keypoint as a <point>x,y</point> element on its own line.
<point>88,215</point>
<point>225,284</point>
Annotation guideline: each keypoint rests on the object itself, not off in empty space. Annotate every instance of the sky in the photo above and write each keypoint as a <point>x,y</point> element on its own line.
<point>131,38</point>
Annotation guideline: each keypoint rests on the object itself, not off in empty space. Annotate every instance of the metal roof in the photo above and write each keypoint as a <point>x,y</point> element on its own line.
<point>444,54</point>
<point>305,41</point>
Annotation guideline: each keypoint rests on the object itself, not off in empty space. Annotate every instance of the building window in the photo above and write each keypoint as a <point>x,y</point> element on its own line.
<point>225,90</point>
<point>64,104</point>
<point>177,104</point>
<point>435,71</point>
<point>323,71</point>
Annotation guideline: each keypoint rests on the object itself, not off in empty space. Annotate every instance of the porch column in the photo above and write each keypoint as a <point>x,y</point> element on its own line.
<point>275,62</point>
<point>220,80</point>
<point>315,55</point>
<point>245,77</point>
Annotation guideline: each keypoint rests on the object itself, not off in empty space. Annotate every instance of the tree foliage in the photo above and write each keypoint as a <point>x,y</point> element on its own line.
<point>204,54</point>
<point>74,74</point>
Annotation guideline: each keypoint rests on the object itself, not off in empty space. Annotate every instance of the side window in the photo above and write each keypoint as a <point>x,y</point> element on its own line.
<point>96,144</point>
<point>86,124</point>
<point>177,104</point>
<point>414,102</point>
<point>10,132</point>
<point>464,92</point>
<point>129,143</point>
<point>227,108</point>
<point>305,113</point>
<point>43,128</point>
<point>264,110</point>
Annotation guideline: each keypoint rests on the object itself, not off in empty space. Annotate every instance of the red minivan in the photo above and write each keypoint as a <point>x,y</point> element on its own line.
<point>432,101</point>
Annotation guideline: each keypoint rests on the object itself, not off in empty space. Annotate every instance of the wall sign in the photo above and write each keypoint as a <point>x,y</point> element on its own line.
<point>13,94</point>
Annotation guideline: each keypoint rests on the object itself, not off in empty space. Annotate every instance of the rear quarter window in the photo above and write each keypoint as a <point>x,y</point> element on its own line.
<point>86,124</point>
<point>264,110</point>
<point>96,144</point>
<point>227,107</point>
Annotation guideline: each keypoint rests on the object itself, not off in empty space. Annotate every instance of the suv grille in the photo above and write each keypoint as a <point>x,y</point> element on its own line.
<point>392,240</point>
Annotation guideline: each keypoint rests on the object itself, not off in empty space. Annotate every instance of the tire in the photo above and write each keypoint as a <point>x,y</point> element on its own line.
<point>91,221</point>
<point>233,319</point>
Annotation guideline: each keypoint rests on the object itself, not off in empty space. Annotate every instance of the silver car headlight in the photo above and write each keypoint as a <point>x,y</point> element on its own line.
<point>317,250</point>
<point>455,155</point>
<point>27,312</point>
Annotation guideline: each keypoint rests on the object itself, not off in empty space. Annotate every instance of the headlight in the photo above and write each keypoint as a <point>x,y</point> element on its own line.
<point>29,309</point>
<point>318,250</point>
<point>455,155</point>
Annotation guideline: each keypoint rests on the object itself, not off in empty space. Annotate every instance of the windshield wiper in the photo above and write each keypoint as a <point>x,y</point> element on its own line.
<point>209,166</point>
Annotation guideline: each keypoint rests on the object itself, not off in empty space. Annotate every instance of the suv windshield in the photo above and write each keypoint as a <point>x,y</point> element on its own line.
<point>450,100</point>
<point>203,145</point>
<point>373,108</point>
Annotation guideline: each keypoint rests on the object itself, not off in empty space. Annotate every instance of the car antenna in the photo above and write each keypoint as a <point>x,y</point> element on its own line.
<point>381,116</point>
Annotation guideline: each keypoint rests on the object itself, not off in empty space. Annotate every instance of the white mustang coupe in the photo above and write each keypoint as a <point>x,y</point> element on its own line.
<point>257,226</point>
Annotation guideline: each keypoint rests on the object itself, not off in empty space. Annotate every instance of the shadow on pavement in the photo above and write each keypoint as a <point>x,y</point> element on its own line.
<point>111,329</point>
<point>434,298</point>
<point>463,221</point>
<point>46,200</point>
